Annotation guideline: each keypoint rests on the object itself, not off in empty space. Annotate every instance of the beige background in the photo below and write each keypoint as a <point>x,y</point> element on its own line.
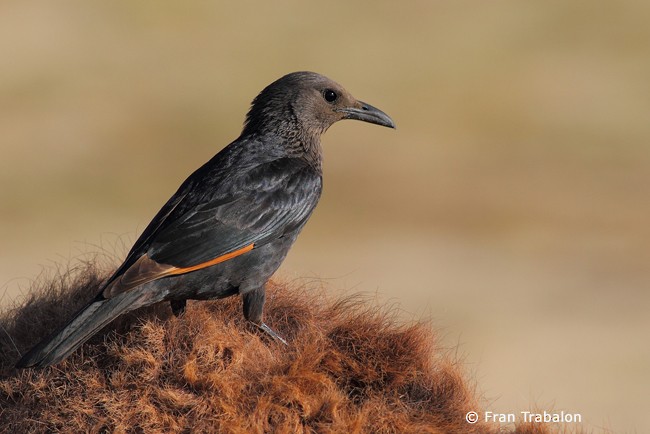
<point>510,206</point>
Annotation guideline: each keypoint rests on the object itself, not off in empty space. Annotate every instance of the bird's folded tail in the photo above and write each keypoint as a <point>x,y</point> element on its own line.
<point>88,321</point>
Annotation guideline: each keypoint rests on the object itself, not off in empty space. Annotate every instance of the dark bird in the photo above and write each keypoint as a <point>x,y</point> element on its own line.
<point>231,223</point>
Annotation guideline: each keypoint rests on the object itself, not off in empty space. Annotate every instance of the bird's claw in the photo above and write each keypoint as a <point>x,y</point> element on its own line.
<point>271,333</point>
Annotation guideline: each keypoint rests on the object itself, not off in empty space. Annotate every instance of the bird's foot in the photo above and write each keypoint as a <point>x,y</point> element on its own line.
<point>271,332</point>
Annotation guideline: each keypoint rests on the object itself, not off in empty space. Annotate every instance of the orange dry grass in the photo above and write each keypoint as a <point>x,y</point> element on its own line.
<point>349,368</point>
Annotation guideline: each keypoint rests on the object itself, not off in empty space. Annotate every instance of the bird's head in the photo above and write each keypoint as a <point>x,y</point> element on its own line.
<point>309,103</point>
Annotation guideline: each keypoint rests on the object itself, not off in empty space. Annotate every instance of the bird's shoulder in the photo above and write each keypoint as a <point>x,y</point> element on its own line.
<point>249,163</point>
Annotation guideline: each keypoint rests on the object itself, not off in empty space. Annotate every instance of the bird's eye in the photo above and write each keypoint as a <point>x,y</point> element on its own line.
<point>330,95</point>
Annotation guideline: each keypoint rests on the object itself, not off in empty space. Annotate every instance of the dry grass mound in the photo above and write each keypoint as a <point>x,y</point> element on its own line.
<point>350,368</point>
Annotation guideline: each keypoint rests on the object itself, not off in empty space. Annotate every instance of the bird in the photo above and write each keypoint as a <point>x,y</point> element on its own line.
<point>231,223</point>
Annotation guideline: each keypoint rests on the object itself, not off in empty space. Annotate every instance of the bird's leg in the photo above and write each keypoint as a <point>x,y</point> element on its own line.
<point>178,307</point>
<point>253,309</point>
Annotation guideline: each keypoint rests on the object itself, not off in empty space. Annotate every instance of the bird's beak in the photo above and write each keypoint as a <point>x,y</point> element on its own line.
<point>367,113</point>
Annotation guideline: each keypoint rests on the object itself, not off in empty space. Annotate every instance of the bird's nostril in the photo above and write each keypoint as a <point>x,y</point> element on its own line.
<point>364,107</point>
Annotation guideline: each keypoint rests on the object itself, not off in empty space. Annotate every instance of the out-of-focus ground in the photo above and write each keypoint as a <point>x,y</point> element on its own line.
<point>511,205</point>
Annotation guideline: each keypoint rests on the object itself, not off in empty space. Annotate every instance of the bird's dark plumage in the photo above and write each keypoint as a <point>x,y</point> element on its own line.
<point>231,223</point>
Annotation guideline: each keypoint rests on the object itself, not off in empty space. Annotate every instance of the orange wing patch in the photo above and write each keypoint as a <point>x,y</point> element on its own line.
<point>220,259</point>
<point>146,270</point>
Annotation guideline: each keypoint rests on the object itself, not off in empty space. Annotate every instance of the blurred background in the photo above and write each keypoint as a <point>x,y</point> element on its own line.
<point>511,206</point>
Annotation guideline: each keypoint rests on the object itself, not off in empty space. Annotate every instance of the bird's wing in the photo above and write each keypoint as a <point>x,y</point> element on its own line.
<point>255,206</point>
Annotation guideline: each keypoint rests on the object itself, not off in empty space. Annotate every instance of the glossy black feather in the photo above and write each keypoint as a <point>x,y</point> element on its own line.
<point>255,206</point>
<point>237,198</point>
